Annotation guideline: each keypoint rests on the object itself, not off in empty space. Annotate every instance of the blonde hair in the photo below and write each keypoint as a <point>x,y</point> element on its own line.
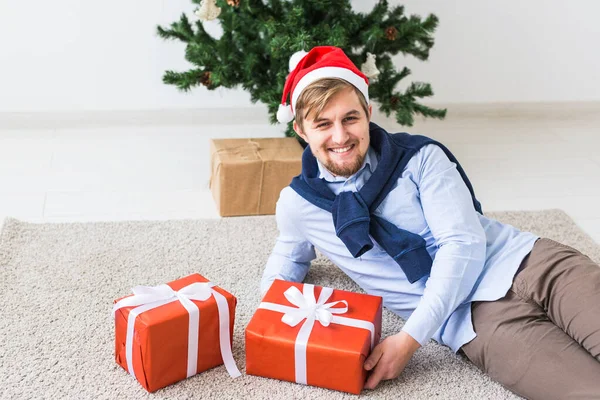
<point>317,95</point>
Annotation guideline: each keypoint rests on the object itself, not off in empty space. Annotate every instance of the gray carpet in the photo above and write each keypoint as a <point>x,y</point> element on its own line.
<point>58,282</point>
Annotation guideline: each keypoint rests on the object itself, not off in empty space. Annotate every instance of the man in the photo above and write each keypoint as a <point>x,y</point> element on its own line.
<point>399,216</point>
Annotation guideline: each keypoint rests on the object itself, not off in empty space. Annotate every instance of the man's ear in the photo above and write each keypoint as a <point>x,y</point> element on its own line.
<point>370,111</point>
<point>299,131</point>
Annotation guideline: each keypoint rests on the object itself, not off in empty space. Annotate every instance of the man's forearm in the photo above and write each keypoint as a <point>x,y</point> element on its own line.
<point>290,261</point>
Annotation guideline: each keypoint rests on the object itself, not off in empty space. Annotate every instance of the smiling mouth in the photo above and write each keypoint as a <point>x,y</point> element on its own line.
<point>341,150</point>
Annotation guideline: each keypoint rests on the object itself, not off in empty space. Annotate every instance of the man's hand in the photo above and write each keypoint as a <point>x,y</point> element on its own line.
<point>389,358</point>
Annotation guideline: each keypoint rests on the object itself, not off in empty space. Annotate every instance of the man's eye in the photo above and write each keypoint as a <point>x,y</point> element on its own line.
<point>322,125</point>
<point>350,119</point>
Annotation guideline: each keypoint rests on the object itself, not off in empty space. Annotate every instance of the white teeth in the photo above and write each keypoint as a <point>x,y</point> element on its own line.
<point>345,149</point>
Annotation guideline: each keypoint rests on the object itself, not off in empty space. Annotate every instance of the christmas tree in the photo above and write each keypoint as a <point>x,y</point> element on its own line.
<point>259,36</point>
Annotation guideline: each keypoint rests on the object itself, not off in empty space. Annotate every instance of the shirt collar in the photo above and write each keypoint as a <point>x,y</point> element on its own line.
<point>370,161</point>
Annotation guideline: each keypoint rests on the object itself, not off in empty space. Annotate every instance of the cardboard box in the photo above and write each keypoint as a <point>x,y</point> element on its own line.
<point>247,175</point>
<point>160,338</point>
<point>326,356</point>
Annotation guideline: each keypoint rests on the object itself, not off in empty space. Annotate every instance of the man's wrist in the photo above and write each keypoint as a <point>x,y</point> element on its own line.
<point>409,342</point>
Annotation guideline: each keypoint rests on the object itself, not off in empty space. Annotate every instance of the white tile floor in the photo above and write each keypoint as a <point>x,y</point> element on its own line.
<point>111,170</point>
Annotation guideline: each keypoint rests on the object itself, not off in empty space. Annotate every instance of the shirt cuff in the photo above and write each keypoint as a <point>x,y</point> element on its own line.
<point>421,325</point>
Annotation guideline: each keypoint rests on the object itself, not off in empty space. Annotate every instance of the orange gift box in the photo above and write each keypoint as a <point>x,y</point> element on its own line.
<point>330,356</point>
<point>165,324</point>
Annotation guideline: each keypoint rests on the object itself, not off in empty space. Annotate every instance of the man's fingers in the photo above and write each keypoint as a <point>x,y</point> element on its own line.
<point>373,359</point>
<point>387,360</point>
<point>375,378</point>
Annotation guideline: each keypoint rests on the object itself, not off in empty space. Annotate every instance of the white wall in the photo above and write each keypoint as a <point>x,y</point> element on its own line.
<point>512,51</point>
<point>72,55</point>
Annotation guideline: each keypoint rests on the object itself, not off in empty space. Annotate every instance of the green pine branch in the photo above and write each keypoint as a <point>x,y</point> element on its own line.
<point>181,30</point>
<point>183,80</point>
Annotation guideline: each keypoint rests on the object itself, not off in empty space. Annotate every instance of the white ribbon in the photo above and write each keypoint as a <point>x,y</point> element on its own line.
<point>310,309</point>
<point>149,297</point>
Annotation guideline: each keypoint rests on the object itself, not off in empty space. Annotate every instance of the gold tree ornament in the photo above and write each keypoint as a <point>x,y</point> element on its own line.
<point>208,10</point>
<point>369,68</point>
<point>233,3</point>
<point>391,33</point>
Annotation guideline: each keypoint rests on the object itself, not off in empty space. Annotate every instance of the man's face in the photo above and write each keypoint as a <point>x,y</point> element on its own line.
<point>339,137</point>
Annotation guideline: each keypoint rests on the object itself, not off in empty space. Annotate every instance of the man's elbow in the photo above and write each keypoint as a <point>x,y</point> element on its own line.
<point>474,242</point>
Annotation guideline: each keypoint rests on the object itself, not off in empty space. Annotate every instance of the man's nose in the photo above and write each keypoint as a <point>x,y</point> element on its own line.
<point>340,136</point>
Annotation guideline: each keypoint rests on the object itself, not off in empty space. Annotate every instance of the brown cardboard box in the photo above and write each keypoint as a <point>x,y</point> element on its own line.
<point>248,174</point>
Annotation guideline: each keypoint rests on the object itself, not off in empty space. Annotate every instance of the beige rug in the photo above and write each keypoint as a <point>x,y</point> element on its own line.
<point>58,281</point>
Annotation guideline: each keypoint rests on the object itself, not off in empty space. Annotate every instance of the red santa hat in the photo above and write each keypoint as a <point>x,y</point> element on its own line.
<point>320,62</point>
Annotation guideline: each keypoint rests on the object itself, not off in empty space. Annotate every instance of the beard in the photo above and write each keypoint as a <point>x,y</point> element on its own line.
<point>346,170</point>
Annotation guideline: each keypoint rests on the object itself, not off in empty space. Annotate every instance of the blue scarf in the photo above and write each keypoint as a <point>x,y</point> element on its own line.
<point>352,212</point>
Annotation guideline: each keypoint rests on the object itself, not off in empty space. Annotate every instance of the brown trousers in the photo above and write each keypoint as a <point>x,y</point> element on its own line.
<point>542,340</point>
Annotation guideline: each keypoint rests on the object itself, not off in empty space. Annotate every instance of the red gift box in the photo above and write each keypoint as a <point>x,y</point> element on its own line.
<point>166,333</point>
<point>312,335</point>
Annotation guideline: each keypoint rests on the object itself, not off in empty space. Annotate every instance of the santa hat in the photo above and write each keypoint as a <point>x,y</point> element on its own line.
<point>321,62</point>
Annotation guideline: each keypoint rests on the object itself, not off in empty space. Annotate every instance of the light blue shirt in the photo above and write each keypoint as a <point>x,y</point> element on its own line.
<point>474,257</point>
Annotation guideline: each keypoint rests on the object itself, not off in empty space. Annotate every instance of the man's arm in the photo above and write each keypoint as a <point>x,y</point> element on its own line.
<point>448,209</point>
<point>292,254</point>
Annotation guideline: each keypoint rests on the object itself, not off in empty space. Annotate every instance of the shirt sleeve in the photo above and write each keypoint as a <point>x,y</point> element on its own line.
<point>460,239</point>
<point>292,253</point>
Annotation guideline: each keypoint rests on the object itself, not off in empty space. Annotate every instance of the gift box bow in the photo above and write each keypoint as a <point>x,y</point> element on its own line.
<point>309,309</point>
<point>146,298</point>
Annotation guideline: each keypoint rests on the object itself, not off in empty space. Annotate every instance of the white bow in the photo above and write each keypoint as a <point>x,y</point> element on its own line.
<point>309,307</point>
<point>162,294</point>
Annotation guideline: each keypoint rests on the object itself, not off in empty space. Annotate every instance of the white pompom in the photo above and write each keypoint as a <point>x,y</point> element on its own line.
<point>284,114</point>
<point>295,59</point>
